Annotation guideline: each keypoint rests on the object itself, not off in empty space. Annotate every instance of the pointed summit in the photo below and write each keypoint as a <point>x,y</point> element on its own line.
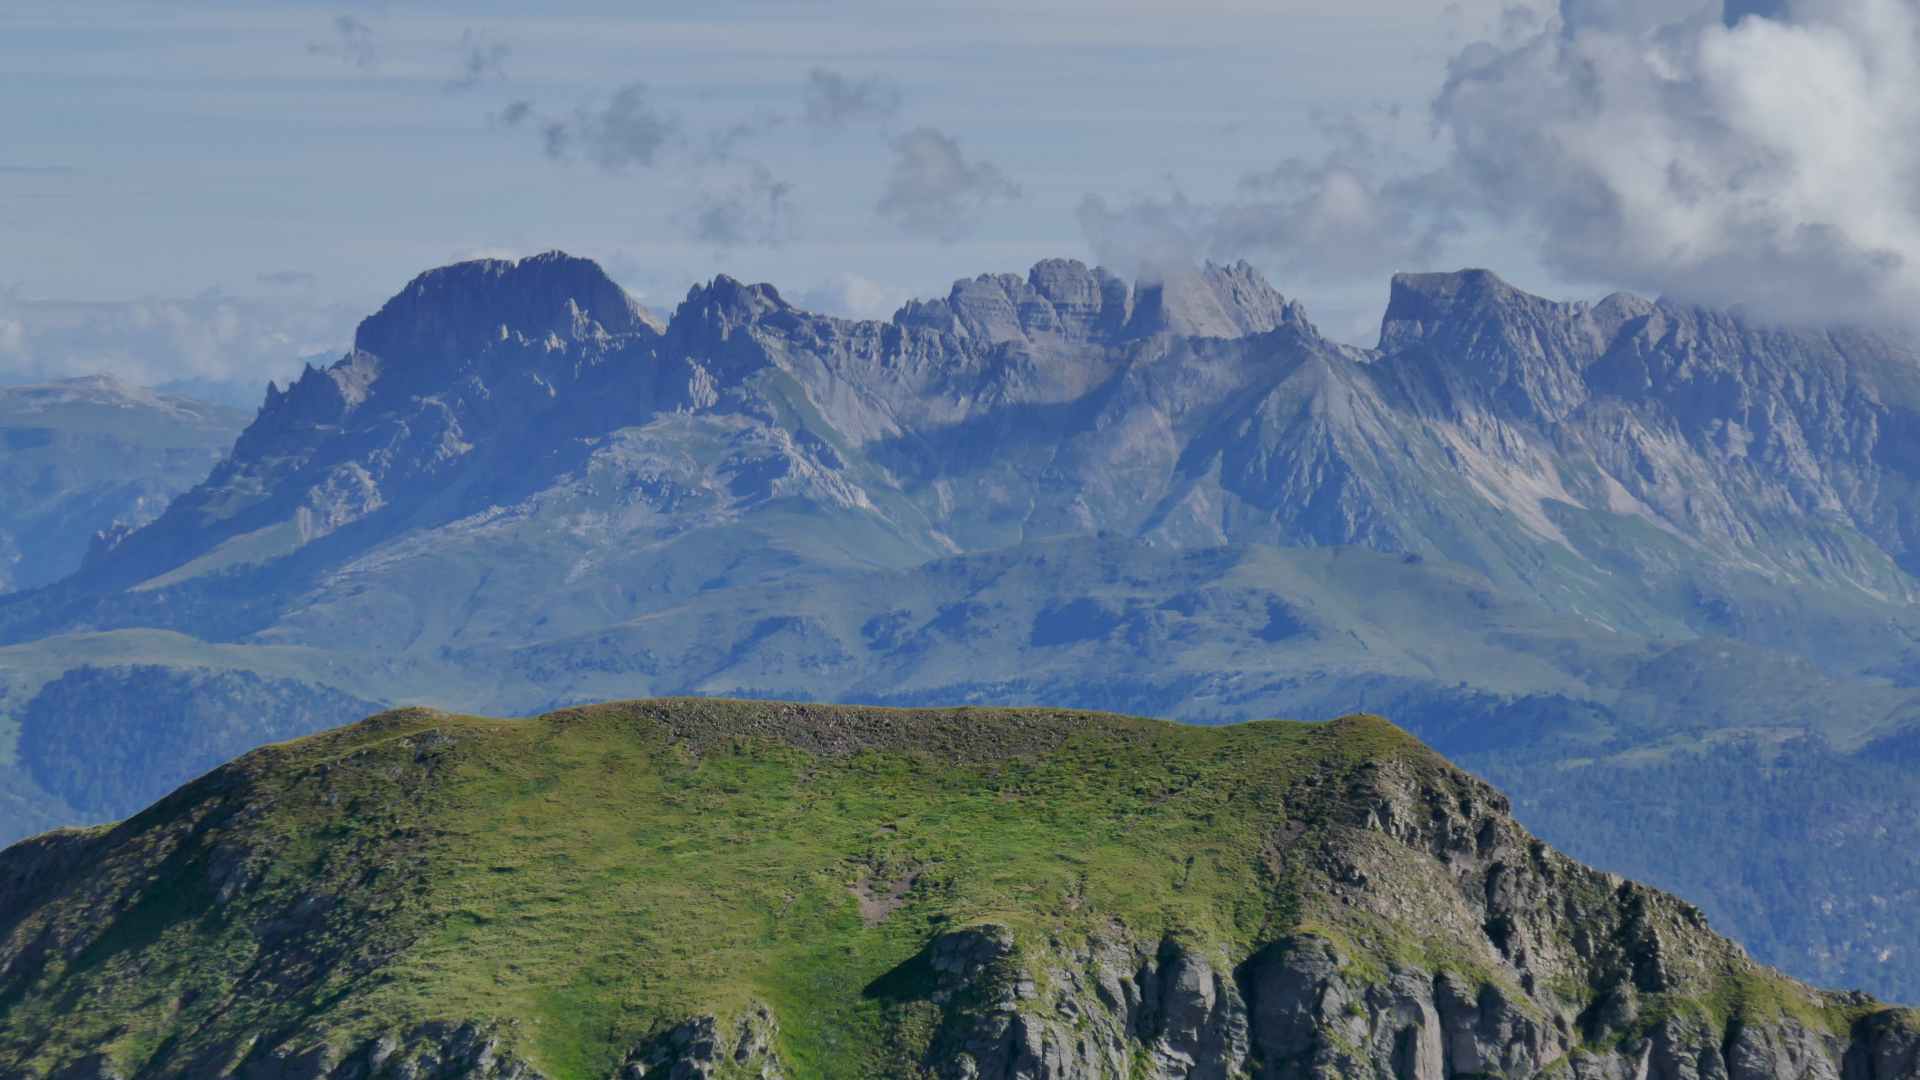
<point>724,303</point>
<point>1528,352</point>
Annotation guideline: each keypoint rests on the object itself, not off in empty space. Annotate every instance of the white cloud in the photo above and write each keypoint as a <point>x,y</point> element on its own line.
<point>1774,162</point>
<point>215,346</point>
<point>832,100</point>
<point>851,296</point>
<point>935,191</point>
<point>1305,220</point>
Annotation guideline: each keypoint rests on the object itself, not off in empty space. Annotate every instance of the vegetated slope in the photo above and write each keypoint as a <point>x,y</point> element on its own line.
<point>725,888</point>
<point>95,454</point>
<point>76,743</point>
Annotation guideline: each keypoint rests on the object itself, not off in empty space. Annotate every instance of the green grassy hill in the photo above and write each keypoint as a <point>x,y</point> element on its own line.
<point>723,888</point>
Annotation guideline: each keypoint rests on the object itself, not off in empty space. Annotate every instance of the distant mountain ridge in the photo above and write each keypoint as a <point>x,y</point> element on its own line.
<point>95,454</point>
<point>1653,468</point>
<point>524,490</point>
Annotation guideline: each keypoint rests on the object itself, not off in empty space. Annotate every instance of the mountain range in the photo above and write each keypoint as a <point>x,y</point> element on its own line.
<point>1648,565</point>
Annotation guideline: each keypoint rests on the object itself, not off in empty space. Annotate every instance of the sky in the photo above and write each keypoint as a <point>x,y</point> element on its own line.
<point>206,194</point>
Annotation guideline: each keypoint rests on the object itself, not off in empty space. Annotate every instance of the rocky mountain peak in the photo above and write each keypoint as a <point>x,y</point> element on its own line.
<point>1528,352</point>
<point>724,303</point>
<point>1064,300</point>
<point>1002,307</point>
<point>454,311</point>
<point>1088,302</point>
<point>1059,300</point>
<point>1218,302</point>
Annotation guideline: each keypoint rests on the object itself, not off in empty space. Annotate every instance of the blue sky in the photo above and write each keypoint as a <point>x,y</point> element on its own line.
<point>854,152</point>
<point>205,144</point>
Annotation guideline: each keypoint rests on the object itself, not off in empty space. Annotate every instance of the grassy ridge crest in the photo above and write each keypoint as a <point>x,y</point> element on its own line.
<point>584,882</point>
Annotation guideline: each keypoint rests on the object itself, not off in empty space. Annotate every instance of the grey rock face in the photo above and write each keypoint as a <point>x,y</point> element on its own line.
<point>703,1046</point>
<point>698,1049</point>
<point>1884,1046</point>
<point>1053,1013</point>
<point>1300,1009</point>
<point>430,1051</point>
<point>1657,469</point>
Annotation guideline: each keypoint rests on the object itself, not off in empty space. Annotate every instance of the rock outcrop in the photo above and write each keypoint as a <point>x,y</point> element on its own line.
<point>1560,970</point>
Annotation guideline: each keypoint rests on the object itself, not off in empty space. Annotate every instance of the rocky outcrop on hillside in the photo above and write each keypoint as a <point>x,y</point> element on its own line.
<point>1560,969</point>
<point>1393,921</point>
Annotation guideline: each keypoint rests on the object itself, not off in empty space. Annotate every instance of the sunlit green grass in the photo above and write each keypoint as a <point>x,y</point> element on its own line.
<point>608,883</point>
<point>584,881</point>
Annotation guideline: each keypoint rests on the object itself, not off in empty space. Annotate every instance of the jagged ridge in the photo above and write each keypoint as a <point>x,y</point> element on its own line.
<point>1658,469</point>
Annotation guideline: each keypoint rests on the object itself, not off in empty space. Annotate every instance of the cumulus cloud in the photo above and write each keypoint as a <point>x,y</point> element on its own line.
<point>1331,218</point>
<point>832,100</point>
<point>851,296</point>
<point>481,58</point>
<point>935,191</point>
<point>1150,239</point>
<point>758,210</point>
<point>352,43</point>
<point>213,346</point>
<point>627,131</point>
<point>1762,152</point>
<point>514,114</point>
